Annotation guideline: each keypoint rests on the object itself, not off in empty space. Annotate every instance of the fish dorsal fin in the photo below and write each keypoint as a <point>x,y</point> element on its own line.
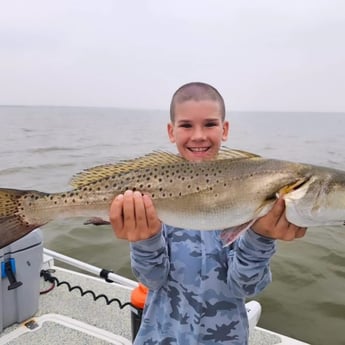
<point>228,153</point>
<point>156,158</point>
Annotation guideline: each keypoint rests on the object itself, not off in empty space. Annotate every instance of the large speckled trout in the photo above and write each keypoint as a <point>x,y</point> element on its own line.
<point>228,192</point>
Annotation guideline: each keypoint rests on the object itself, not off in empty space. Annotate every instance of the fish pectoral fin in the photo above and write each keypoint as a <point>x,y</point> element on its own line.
<point>96,221</point>
<point>292,187</point>
<point>265,207</point>
<point>230,235</point>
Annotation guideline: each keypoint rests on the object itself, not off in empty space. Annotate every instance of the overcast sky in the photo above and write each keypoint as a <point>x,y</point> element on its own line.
<point>260,54</point>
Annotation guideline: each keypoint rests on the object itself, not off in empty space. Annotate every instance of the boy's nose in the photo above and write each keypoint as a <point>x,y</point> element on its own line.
<point>198,134</point>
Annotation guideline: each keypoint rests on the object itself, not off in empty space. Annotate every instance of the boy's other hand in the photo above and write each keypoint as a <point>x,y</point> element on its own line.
<point>133,217</point>
<point>275,225</point>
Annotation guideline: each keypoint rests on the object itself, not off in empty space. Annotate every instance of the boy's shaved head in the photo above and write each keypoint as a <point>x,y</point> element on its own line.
<point>196,91</point>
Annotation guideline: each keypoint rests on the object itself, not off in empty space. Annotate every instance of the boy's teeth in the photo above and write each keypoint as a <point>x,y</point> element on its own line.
<point>199,149</point>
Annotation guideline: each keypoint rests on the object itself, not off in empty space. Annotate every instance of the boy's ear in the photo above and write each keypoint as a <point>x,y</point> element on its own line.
<point>171,135</point>
<point>226,128</point>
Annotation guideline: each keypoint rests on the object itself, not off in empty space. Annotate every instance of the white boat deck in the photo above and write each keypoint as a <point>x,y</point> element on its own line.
<point>66,317</point>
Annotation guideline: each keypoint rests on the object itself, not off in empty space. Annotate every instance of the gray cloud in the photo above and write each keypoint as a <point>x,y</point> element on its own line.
<point>262,55</point>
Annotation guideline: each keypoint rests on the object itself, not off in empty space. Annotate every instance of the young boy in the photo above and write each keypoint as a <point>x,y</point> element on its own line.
<point>197,287</point>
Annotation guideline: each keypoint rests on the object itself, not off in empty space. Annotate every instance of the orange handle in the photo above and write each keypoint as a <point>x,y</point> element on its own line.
<point>138,296</point>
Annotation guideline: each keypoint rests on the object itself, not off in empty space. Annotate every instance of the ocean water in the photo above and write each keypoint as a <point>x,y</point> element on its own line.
<point>43,147</point>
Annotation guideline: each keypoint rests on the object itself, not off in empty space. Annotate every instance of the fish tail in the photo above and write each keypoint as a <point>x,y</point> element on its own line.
<point>12,224</point>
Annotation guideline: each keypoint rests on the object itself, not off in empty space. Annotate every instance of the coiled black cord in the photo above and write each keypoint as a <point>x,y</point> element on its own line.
<point>47,276</point>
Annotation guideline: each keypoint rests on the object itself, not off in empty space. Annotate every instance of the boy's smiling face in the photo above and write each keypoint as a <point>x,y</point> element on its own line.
<point>198,129</point>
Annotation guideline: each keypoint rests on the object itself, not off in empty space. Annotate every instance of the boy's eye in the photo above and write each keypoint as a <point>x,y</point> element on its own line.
<point>185,125</point>
<point>211,124</point>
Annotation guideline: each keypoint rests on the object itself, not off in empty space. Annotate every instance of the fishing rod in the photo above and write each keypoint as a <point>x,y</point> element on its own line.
<point>100,272</point>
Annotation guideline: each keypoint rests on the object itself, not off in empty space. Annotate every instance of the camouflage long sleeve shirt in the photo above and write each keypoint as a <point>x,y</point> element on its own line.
<point>197,287</point>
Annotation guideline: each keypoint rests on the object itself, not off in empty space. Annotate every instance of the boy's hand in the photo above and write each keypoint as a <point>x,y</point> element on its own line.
<point>133,217</point>
<point>275,225</point>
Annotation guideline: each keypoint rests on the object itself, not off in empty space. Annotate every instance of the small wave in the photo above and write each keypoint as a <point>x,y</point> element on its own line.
<point>332,309</point>
<point>51,149</point>
<point>339,273</point>
<point>335,259</point>
<point>28,130</point>
<point>13,170</point>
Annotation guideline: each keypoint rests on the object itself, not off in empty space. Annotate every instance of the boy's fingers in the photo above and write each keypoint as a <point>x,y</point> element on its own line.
<point>128,210</point>
<point>150,210</point>
<point>140,212</point>
<point>151,215</point>
<point>301,232</point>
<point>277,211</point>
<point>115,213</point>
